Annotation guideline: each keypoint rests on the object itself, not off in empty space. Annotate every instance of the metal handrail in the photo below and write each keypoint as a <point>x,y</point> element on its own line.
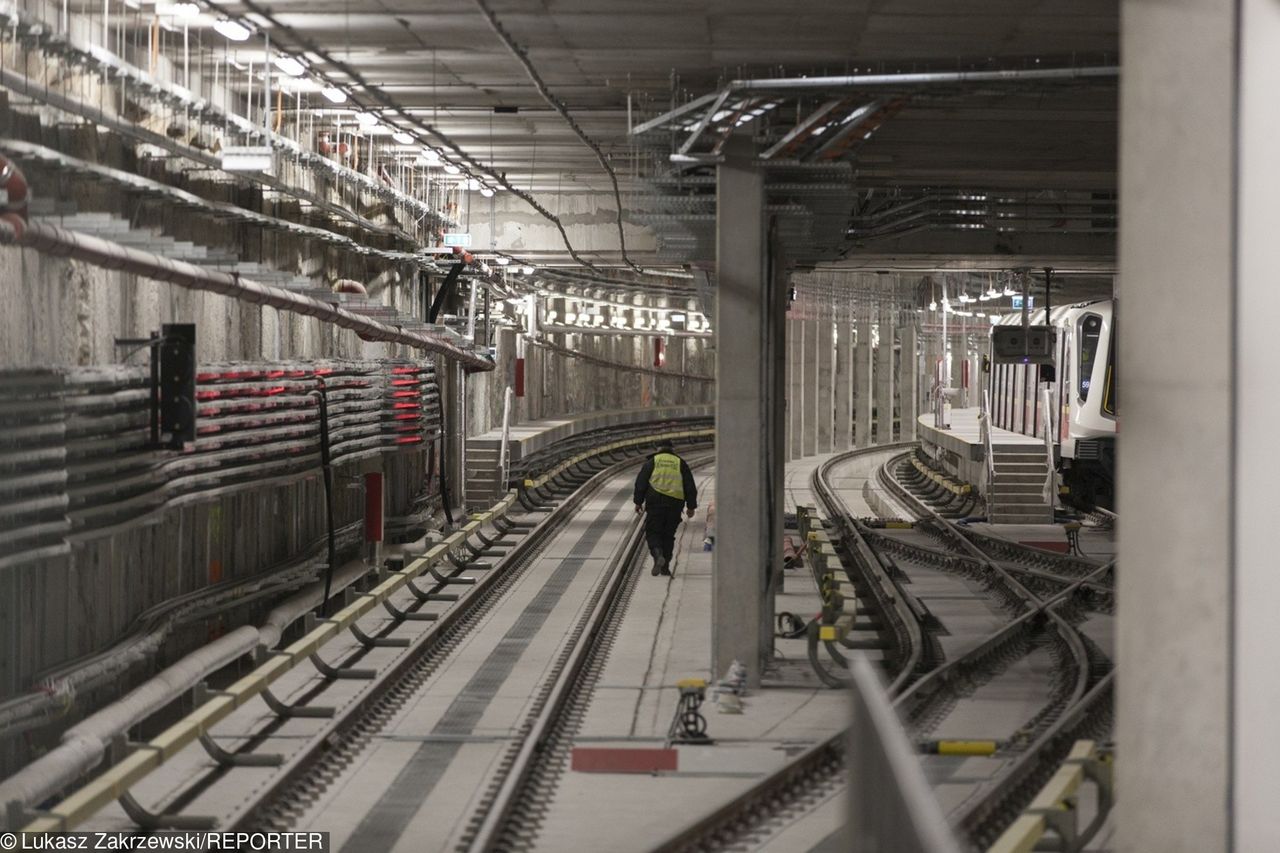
<point>984,428</point>
<point>1047,398</point>
<point>890,802</point>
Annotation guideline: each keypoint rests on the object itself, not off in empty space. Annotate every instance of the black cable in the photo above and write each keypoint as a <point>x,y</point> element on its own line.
<point>326,468</point>
<point>444,464</point>
<point>559,106</point>
<point>790,626</point>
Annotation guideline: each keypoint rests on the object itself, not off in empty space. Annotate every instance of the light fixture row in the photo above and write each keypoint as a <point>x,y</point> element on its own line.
<point>237,31</point>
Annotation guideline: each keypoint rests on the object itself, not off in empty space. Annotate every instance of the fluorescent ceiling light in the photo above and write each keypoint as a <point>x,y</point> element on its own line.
<point>473,184</point>
<point>487,192</point>
<point>289,65</point>
<point>254,158</point>
<point>366,119</point>
<point>185,11</point>
<point>233,30</point>
<point>502,262</point>
<point>452,169</point>
<point>402,137</point>
<point>527,270</point>
<point>431,155</point>
<point>335,95</point>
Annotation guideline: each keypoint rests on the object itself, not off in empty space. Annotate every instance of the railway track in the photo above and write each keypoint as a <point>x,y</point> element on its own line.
<point>1045,598</point>
<point>449,578</point>
<point>510,814</point>
<point>506,816</point>
<point>1051,598</point>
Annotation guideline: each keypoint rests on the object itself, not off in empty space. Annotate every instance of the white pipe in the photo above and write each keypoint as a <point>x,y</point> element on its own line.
<point>471,314</point>
<point>83,745</point>
<point>926,77</point>
<point>506,433</point>
<point>946,341</point>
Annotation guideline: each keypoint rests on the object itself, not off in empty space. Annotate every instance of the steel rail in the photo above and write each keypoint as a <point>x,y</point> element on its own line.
<point>820,764</point>
<point>302,769</point>
<point>497,814</point>
<point>117,780</point>
<point>1067,634</point>
<point>1080,703</point>
<point>1018,785</point>
<point>890,596</point>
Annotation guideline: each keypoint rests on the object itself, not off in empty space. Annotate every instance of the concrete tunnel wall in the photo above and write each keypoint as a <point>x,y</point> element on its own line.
<point>61,609</point>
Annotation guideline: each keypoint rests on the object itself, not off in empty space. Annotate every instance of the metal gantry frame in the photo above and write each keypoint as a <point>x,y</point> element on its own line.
<point>839,107</point>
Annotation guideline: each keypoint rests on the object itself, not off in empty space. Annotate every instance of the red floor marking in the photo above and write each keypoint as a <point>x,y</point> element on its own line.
<point>1048,546</point>
<point>592,759</point>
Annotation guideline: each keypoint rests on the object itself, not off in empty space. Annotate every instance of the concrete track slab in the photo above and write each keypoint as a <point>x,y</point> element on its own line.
<point>1098,543</point>
<point>419,783</point>
<point>665,636</point>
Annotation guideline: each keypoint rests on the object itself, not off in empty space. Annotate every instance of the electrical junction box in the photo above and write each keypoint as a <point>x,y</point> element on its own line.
<point>1023,344</point>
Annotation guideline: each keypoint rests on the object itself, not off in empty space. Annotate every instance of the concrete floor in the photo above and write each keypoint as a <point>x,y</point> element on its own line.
<point>664,637</point>
<point>997,708</point>
<point>421,780</point>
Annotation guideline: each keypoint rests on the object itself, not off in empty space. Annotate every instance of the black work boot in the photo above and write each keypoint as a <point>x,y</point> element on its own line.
<point>659,561</point>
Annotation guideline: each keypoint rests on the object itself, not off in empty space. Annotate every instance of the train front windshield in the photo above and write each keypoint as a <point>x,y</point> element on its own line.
<point>1090,334</point>
<point>1109,398</point>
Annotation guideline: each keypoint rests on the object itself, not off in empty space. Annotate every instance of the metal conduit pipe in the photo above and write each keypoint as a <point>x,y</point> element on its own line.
<point>83,745</point>
<point>60,242</point>
<point>205,112</point>
<point>925,78</point>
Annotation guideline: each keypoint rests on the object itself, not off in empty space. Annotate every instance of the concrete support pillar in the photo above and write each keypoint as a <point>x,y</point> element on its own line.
<point>884,372</point>
<point>505,368</point>
<point>824,398</point>
<point>843,415</point>
<point>863,399</point>
<point>909,377</point>
<point>534,357</point>
<point>957,368</point>
<point>560,389</point>
<point>750,362</point>
<point>929,368</point>
<point>809,438</point>
<point>1197,632</point>
<point>795,388</point>
<point>453,386</point>
<point>524,352</point>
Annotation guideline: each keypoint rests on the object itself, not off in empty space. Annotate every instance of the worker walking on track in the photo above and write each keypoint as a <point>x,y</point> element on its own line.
<point>664,485</point>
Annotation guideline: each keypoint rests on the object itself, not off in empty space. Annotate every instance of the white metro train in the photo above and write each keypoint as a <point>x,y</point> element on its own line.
<point>1082,398</point>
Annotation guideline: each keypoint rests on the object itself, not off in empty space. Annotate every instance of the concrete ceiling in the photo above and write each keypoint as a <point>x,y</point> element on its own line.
<point>611,61</point>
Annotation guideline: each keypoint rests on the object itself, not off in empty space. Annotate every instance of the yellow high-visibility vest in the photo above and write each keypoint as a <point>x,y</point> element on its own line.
<point>666,478</point>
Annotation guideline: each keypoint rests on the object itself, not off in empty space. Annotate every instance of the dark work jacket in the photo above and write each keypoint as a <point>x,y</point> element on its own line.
<point>656,500</point>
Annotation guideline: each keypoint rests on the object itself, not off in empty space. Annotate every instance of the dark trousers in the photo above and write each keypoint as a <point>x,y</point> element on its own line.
<point>660,523</point>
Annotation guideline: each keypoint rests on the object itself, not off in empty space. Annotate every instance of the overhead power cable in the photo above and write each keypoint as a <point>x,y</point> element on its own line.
<point>559,106</point>
<point>390,103</point>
